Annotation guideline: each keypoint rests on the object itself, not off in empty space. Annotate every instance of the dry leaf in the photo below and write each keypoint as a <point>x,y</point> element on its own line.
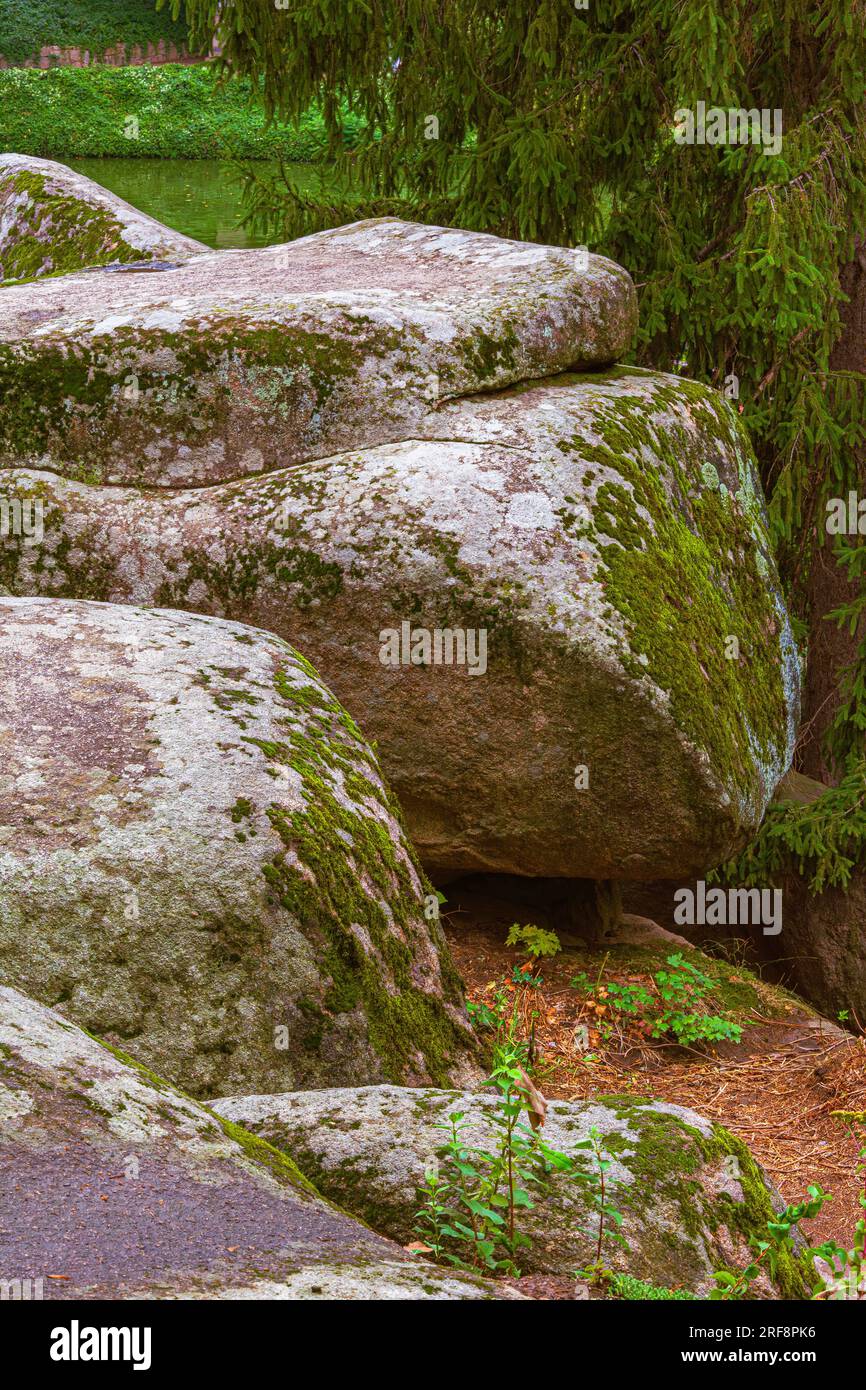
<point>536,1105</point>
<point>417,1247</point>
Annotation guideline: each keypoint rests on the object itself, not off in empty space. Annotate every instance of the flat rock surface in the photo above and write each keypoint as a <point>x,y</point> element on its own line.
<point>239,362</point>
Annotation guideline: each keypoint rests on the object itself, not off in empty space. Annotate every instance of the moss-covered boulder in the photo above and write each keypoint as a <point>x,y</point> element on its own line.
<point>126,1188</point>
<point>199,858</point>
<point>603,535</point>
<point>236,363</point>
<point>53,220</point>
<point>689,1193</point>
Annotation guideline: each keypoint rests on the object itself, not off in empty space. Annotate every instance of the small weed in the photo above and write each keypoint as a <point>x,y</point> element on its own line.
<point>473,1198</point>
<point>841,1272</point>
<point>536,940</point>
<point>669,1008</point>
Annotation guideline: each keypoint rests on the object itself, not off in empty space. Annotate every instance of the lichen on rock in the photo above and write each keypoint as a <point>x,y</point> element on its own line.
<point>132,1189</point>
<point>234,364</point>
<point>54,221</point>
<point>199,858</point>
<point>632,614</point>
<point>689,1193</point>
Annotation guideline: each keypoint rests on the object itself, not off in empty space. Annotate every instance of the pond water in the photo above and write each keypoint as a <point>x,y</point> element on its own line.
<point>200,197</point>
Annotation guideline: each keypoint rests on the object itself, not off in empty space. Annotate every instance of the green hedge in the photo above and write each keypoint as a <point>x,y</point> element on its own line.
<point>68,113</point>
<point>28,25</point>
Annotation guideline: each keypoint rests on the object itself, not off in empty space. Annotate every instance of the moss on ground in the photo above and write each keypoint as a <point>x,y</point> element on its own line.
<point>631,1290</point>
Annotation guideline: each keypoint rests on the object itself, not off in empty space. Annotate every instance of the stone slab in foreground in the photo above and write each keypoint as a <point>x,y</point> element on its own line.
<point>127,1188</point>
<point>690,1194</point>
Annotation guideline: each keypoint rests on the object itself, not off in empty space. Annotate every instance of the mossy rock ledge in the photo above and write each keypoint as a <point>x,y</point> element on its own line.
<point>133,1190</point>
<point>689,1192</point>
<point>200,861</point>
<point>236,363</point>
<point>53,220</point>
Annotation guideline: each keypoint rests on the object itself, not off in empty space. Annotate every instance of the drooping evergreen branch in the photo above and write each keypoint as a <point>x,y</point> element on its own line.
<point>823,841</point>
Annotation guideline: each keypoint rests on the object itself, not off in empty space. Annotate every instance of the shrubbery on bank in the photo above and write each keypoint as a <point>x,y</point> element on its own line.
<point>94,25</point>
<point>169,112</point>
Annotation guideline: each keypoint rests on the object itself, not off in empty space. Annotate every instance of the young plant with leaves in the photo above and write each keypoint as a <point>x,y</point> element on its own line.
<point>672,1007</point>
<point>842,1272</point>
<point>609,1217</point>
<point>469,1213</point>
<point>536,940</point>
<point>473,1198</point>
<point>734,1285</point>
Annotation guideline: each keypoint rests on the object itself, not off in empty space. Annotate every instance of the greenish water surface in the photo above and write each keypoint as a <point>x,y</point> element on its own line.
<point>200,197</point>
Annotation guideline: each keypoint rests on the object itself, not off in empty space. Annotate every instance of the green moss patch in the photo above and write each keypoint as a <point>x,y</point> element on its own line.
<point>672,1161</point>
<point>684,572</point>
<point>361,907</point>
<point>58,233</point>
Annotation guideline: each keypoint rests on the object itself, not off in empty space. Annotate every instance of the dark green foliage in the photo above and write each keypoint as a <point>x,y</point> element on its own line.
<point>26,26</point>
<point>822,841</point>
<point>632,1290</point>
<point>847,734</point>
<point>70,113</point>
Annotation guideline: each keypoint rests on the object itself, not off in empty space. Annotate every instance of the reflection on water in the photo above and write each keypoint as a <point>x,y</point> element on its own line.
<point>200,197</point>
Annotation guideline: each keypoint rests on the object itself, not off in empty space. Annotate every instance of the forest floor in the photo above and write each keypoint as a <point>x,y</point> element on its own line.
<point>777,1088</point>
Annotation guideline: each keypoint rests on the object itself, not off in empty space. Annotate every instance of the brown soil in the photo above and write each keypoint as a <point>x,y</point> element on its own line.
<point>777,1089</point>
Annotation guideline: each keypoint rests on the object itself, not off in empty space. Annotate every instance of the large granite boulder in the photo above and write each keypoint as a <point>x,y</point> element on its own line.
<point>628,694</point>
<point>239,362</point>
<point>119,1186</point>
<point>689,1193</point>
<point>549,597</point>
<point>199,858</point>
<point>53,220</point>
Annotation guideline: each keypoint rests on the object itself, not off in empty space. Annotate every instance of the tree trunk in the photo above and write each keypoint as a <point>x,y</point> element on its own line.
<point>831,649</point>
